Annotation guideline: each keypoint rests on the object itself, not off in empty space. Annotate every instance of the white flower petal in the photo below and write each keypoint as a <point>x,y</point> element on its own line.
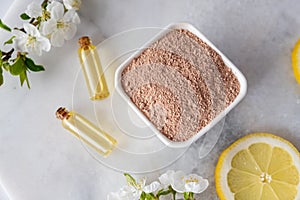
<point>166,178</point>
<point>37,49</point>
<point>52,4</point>
<point>141,182</point>
<point>192,187</point>
<point>71,16</point>
<point>68,16</point>
<point>72,4</point>
<point>125,193</point>
<point>34,10</point>
<point>18,34</point>
<point>177,182</point>
<point>201,186</point>
<point>44,43</point>
<point>56,10</point>
<point>76,19</point>
<point>152,187</point>
<point>113,196</point>
<point>19,44</point>
<point>57,38</point>
<point>31,30</point>
<point>20,40</point>
<point>41,28</point>
<point>129,192</point>
<point>29,48</point>
<point>69,31</point>
<point>49,27</point>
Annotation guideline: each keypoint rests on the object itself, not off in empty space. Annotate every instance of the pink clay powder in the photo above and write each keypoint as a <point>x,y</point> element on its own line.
<point>180,84</point>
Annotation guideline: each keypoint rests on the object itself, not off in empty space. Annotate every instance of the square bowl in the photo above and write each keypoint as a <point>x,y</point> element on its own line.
<point>181,144</point>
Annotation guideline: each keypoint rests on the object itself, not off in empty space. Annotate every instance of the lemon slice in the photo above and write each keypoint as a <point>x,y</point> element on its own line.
<point>259,166</point>
<point>296,61</point>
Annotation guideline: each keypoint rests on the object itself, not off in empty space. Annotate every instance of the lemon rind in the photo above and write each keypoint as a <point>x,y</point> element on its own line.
<point>295,61</point>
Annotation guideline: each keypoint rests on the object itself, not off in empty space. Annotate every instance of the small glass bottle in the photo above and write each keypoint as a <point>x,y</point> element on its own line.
<point>92,69</point>
<point>86,131</point>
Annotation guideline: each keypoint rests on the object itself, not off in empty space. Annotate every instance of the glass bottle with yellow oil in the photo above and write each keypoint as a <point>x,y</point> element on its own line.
<point>86,131</point>
<point>92,69</point>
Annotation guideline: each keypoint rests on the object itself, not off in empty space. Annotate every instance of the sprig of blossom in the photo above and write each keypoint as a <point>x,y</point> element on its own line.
<point>30,40</point>
<point>48,24</point>
<point>170,183</point>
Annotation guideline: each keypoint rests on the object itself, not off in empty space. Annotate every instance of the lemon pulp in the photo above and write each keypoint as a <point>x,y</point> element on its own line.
<point>263,172</point>
<point>258,170</point>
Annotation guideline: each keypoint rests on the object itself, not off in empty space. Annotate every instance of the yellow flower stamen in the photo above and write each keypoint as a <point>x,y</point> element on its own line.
<point>76,4</point>
<point>30,40</point>
<point>62,24</point>
<point>192,180</point>
<point>45,15</point>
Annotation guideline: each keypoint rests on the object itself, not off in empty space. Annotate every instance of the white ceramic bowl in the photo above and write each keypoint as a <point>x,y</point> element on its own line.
<point>163,138</point>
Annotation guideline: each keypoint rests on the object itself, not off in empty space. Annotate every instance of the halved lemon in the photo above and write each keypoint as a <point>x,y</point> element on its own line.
<point>296,61</point>
<point>259,166</point>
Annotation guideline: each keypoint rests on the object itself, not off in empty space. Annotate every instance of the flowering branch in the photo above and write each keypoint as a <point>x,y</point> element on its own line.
<point>170,183</point>
<point>48,24</point>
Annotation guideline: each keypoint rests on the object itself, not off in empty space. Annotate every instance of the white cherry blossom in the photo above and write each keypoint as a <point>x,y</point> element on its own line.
<point>134,191</point>
<point>31,41</point>
<point>188,183</point>
<point>62,25</point>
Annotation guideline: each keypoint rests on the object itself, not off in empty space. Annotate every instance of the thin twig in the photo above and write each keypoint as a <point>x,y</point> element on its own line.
<point>7,55</point>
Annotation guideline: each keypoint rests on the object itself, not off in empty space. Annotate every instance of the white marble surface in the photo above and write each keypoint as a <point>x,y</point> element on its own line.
<point>39,161</point>
<point>3,8</point>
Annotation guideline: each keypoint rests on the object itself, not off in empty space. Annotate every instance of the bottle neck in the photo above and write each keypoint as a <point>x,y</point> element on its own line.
<point>84,42</point>
<point>62,113</point>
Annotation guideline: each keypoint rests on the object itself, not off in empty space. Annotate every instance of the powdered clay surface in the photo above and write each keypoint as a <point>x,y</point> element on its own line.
<point>180,84</point>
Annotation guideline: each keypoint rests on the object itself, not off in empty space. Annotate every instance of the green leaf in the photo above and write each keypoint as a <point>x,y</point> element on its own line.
<point>23,77</point>
<point>186,196</point>
<point>4,26</point>
<point>130,180</point>
<point>1,79</point>
<point>10,41</point>
<point>192,195</point>
<point>150,196</point>
<point>6,65</point>
<point>163,192</point>
<point>24,16</point>
<point>17,67</point>
<point>32,66</point>
<point>143,196</point>
<point>1,76</point>
<point>44,4</point>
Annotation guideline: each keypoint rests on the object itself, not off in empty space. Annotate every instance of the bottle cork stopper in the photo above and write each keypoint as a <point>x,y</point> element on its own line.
<point>62,113</point>
<point>84,41</point>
